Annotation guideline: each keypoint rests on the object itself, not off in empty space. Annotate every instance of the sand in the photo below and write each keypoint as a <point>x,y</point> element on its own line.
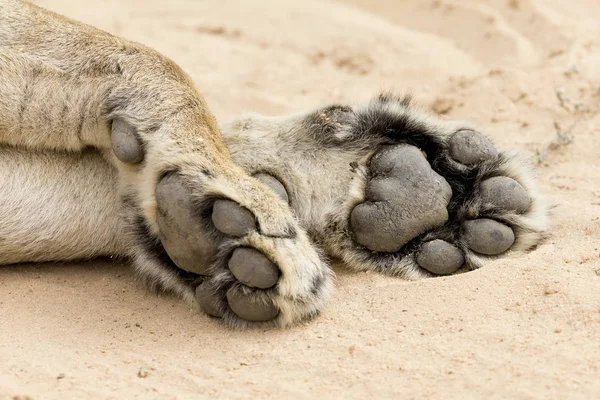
<point>526,72</point>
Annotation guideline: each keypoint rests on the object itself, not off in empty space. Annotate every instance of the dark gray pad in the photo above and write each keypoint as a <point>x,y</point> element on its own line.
<point>253,269</point>
<point>181,231</point>
<point>208,300</point>
<point>486,236</point>
<point>505,193</point>
<point>440,257</point>
<point>126,144</point>
<point>251,308</point>
<point>404,199</point>
<point>232,219</point>
<point>470,147</point>
<point>274,184</point>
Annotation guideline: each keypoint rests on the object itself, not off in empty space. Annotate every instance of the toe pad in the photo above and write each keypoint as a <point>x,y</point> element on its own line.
<point>250,308</point>
<point>274,184</point>
<point>126,144</point>
<point>505,193</point>
<point>232,219</point>
<point>253,269</point>
<point>470,147</point>
<point>208,300</point>
<point>440,257</point>
<point>486,236</point>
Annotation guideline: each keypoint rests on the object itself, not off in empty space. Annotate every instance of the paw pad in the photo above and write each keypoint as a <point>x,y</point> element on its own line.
<point>505,193</point>
<point>470,147</point>
<point>182,233</point>
<point>253,269</point>
<point>232,219</point>
<point>274,184</point>
<point>440,257</point>
<point>184,237</point>
<point>126,144</point>
<point>486,236</point>
<point>251,308</point>
<point>404,199</point>
<point>209,300</point>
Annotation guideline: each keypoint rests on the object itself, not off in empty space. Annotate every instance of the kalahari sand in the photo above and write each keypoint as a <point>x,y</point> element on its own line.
<point>527,326</point>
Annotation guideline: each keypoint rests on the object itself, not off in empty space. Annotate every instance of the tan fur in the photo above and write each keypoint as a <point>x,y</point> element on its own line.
<point>62,83</point>
<point>48,214</point>
<point>276,145</point>
<point>318,174</point>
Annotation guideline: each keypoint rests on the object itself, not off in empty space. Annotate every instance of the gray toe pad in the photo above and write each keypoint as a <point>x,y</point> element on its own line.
<point>505,193</point>
<point>487,236</point>
<point>181,231</point>
<point>404,199</point>
<point>274,184</point>
<point>232,219</point>
<point>253,269</point>
<point>250,308</point>
<point>208,300</point>
<point>470,147</point>
<point>440,257</point>
<point>126,144</point>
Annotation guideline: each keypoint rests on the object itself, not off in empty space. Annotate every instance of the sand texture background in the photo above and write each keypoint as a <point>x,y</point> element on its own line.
<point>527,72</point>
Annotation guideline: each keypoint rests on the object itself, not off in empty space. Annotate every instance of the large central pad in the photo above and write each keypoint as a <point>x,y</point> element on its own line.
<point>404,199</point>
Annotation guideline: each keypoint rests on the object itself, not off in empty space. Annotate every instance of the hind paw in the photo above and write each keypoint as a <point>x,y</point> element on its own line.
<point>392,189</point>
<point>432,213</point>
<point>429,196</point>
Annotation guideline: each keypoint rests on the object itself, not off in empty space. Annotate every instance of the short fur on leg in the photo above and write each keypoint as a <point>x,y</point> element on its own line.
<point>73,95</point>
<point>67,87</point>
<point>322,190</point>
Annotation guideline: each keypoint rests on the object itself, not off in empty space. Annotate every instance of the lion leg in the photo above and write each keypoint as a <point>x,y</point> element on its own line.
<point>69,87</point>
<point>386,187</point>
<point>58,207</point>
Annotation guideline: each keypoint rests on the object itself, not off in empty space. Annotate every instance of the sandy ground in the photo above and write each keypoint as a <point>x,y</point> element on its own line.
<point>524,327</point>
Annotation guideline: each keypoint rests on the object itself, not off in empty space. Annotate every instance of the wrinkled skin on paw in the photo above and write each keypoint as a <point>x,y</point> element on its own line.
<point>405,198</point>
